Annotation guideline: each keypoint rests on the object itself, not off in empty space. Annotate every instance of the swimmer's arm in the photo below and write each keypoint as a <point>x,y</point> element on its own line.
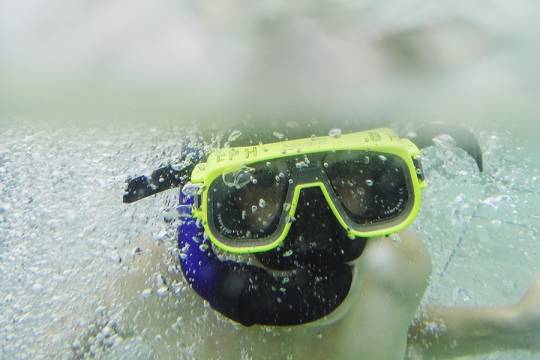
<point>442,332</point>
<point>446,332</point>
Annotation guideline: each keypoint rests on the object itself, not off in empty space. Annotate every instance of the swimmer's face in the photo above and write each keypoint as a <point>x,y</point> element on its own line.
<point>260,208</point>
<point>315,238</point>
<point>313,211</point>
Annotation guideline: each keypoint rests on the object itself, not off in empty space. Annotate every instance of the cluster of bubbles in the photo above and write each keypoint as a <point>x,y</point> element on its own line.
<point>64,233</point>
<point>467,215</point>
<point>240,178</point>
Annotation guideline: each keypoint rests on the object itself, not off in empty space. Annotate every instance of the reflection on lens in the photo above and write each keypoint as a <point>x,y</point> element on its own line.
<point>371,187</point>
<point>249,209</point>
<point>238,179</point>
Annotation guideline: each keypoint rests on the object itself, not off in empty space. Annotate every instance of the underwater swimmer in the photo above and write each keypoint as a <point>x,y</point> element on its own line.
<point>331,263</point>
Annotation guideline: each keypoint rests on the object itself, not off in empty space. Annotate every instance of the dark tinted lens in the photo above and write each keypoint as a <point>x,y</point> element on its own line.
<point>248,203</point>
<point>372,187</point>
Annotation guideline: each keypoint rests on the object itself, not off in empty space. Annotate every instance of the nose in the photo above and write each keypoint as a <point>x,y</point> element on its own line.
<point>316,239</point>
<point>312,205</point>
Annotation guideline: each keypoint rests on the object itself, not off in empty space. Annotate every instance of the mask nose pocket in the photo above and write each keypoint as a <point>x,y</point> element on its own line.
<point>315,238</point>
<point>312,205</point>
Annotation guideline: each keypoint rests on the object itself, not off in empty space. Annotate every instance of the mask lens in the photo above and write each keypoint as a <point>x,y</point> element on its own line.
<point>248,203</point>
<point>371,187</point>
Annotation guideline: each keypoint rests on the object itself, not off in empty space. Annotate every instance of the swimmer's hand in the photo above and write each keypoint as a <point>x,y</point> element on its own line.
<point>528,315</point>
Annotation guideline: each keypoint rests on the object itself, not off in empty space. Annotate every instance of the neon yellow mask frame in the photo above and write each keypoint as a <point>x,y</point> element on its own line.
<point>230,160</point>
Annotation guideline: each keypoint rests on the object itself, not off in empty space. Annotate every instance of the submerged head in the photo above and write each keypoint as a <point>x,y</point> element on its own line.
<point>307,206</point>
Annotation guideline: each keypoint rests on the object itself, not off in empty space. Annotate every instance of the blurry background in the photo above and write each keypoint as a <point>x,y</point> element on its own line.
<point>172,61</point>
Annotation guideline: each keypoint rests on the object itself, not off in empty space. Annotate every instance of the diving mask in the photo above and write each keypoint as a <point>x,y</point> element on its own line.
<point>246,197</point>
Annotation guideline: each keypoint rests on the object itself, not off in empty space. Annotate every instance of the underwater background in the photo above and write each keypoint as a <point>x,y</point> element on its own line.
<point>93,92</point>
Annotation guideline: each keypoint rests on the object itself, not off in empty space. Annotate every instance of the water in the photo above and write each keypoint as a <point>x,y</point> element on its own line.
<point>65,234</point>
<point>91,94</point>
<point>64,229</point>
<point>482,230</point>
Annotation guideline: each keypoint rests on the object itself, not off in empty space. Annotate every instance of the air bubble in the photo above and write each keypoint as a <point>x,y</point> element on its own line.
<point>238,179</point>
<point>262,203</point>
<point>162,291</point>
<point>235,134</point>
<point>146,293</point>
<point>203,247</point>
<point>37,288</point>
<point>335,133</point>
<point>369,182</point>
<point>395,238</point>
